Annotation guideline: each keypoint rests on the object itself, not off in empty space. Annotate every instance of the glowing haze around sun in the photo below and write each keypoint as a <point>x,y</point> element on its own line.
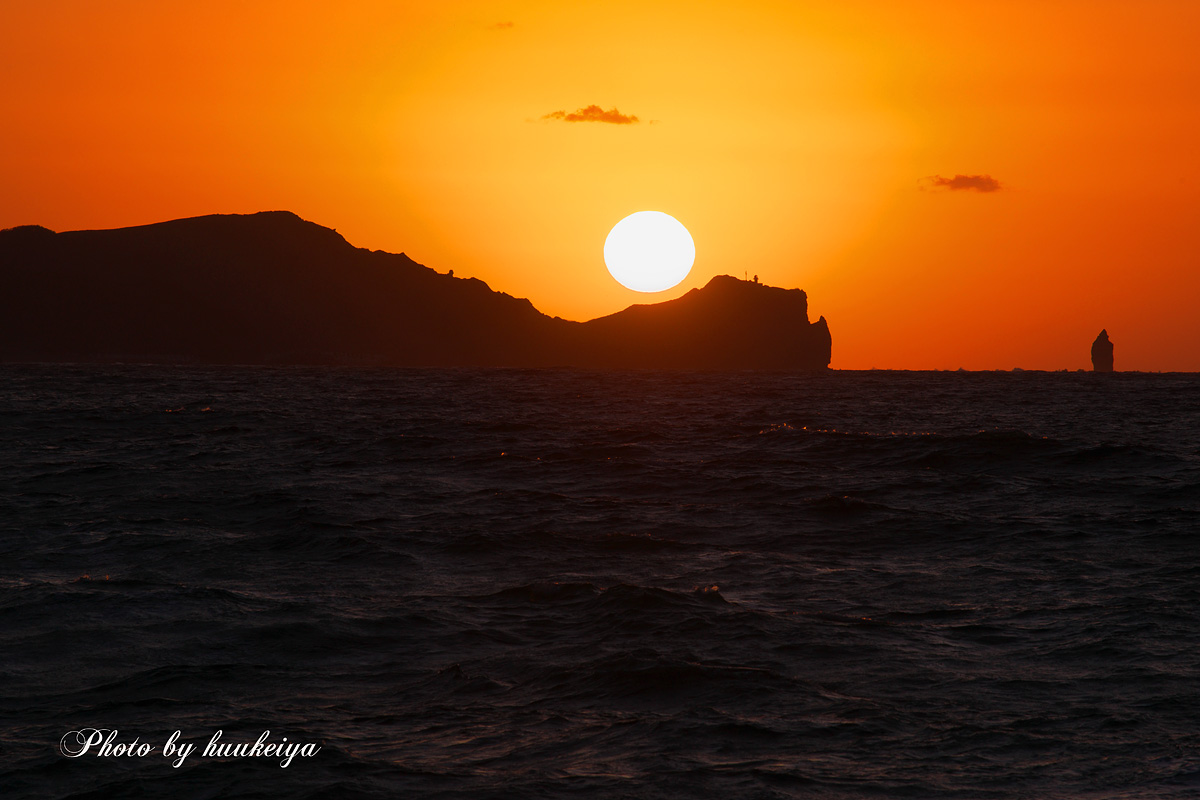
<point>649,252</point>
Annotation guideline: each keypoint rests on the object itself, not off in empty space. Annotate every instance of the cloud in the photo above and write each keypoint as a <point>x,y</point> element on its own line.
<point>594,114</point>
<point>501,26</point>
<point>977,183</point>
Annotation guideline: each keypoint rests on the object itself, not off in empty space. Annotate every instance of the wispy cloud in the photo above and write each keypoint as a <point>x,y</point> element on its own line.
<point>500,26</point>
<point>593,114</point>
<point>973,183</point>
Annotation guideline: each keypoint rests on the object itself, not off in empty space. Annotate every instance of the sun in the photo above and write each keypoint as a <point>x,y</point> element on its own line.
<point>649,251</point>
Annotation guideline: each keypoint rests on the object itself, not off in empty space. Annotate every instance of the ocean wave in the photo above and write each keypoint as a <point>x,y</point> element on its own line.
<point>475,584</point>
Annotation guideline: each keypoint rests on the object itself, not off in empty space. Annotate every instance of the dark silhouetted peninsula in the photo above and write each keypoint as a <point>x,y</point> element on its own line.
<point>271,288</point>
<point>1102,353</point>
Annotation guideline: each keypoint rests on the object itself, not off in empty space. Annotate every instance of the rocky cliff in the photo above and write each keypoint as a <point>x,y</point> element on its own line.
<point>271,288</point>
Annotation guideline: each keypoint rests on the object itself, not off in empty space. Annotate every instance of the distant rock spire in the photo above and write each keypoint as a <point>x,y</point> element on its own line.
<point>1102,353</point>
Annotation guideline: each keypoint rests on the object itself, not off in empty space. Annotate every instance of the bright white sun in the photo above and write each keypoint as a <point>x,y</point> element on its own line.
<point>649,251</point>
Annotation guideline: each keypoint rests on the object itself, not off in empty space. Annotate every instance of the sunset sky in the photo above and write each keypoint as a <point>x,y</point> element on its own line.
<point>813,144</point>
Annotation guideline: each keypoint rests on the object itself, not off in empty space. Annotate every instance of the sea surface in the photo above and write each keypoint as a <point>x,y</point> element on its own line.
<point>564,584</point>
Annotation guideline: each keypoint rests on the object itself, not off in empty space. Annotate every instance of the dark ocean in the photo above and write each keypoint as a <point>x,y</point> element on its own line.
<point>560,584</point>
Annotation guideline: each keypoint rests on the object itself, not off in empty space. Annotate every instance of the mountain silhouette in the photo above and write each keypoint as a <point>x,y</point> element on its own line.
<point>271,288</point>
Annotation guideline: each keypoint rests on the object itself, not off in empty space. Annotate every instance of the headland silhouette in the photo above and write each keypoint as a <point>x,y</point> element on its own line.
<point>271,288</point>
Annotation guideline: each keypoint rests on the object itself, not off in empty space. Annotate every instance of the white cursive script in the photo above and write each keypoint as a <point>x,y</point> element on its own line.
<point>76,743</point>
<point>260,748</point>
<point>102,742</point>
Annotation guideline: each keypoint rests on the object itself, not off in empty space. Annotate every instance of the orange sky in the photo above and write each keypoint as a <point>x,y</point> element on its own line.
<point>795,141</point>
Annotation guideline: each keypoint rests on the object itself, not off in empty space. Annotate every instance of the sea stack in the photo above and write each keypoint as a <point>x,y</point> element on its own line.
<point>1102,353</point>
